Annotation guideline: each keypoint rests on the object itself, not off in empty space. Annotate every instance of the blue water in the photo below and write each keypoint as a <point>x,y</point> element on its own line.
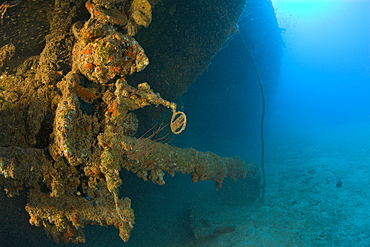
<point>317,115</point>
<point>326,67</point>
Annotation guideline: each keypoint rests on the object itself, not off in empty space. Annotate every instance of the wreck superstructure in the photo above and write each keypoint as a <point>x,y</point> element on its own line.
<point>68,125</point>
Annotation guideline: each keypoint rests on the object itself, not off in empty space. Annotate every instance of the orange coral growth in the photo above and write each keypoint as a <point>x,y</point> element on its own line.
<point>75,218</point>
<point>194,177</point>
<point>88,66</point>
<point>85,94</point>
<point>34,220</point>
<point>92,172</point>
<point>113,108</point>
<point>69,235</point>
<point>86,51</point>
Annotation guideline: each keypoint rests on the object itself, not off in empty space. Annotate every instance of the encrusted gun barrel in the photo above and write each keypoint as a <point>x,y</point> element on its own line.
<point>150,159</point>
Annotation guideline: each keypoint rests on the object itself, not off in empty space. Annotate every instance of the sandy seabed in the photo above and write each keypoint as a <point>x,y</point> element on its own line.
<point>317,194</point>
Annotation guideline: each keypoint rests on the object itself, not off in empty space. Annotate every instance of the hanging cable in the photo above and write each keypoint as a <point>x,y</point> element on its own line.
<point>262,126</point>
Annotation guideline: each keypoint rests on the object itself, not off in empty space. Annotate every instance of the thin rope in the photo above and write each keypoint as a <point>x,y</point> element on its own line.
<point>263,185</point>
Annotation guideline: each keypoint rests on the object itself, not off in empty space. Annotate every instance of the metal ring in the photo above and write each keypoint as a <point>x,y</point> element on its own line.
<point>178,122</point>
